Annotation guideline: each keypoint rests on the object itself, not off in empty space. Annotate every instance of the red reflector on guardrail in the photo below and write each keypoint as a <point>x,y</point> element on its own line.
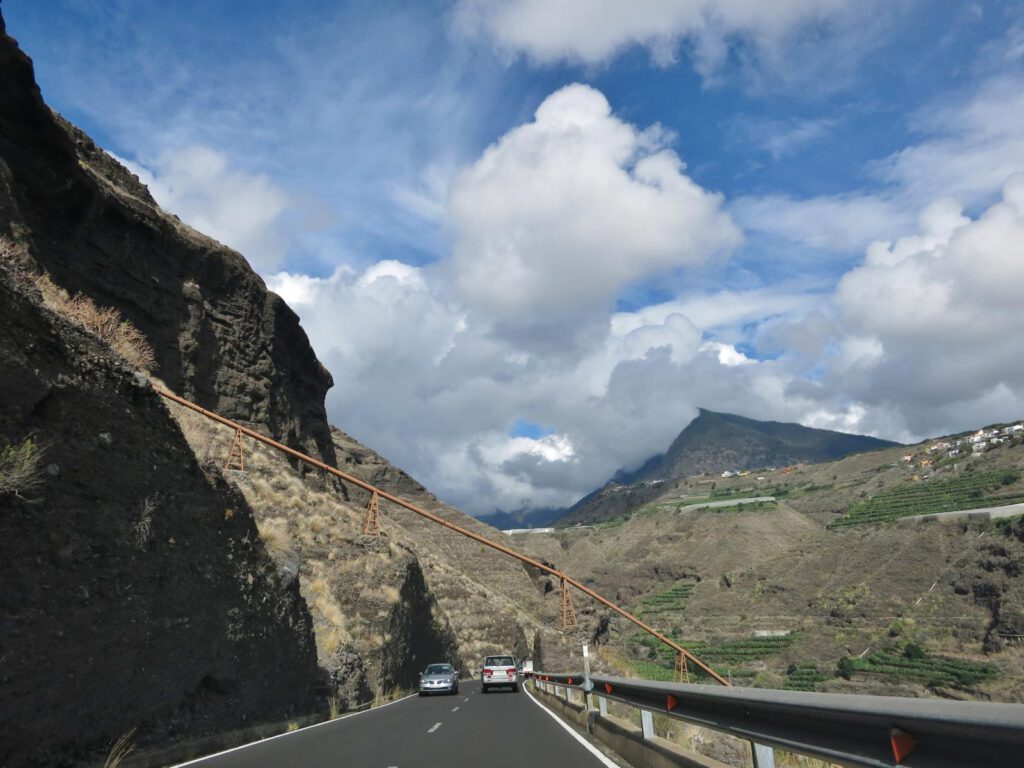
<point>902,744</point>
<point>608,687</point>
<point>570,681</point>
<point>671,702</point>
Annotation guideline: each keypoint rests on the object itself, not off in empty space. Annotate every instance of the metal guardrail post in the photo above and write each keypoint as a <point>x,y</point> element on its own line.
<point>764,757</point>
<point>647,723</point>
<point>602,706</point>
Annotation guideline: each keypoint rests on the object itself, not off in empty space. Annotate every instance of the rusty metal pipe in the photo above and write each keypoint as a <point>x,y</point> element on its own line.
<point>447,523</point>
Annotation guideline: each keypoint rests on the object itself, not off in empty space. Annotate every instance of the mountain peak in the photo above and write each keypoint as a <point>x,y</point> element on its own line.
<point>715,442</point>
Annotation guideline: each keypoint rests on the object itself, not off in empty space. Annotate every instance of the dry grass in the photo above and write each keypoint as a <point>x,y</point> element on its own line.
<point>274,532</point>
<point>21,468</point>
<point>142,529</point>
<point>106,322</point>
<point>121,749</point>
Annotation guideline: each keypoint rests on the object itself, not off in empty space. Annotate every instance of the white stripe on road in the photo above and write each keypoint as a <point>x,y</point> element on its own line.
<point>434,728</point>
<point>455,710</point>
<point>198,760</point>
<point>590,747</point>
<point>466,699</point>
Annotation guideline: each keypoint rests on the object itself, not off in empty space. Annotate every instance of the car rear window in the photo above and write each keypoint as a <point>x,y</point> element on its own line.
<point>499,661</point>
<point>438,669</point>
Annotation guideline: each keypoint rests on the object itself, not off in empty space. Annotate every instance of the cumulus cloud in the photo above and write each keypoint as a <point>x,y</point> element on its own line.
<point>933,319</point>
<point>239,209</point>
<point>556,217</point>
<point>755,34</point>
<point>438,393</point>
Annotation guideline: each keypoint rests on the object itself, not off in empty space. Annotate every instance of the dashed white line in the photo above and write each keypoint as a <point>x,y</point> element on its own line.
<point>466,699</point>
<point>456,709</point>
<point>433,728</point>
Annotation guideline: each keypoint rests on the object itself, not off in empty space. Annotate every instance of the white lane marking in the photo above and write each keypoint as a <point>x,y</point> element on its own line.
<point>590,747</point>
<point>466,699</point>
<point>291,733</point>
<point>433,728</point>
<point>456,709</point>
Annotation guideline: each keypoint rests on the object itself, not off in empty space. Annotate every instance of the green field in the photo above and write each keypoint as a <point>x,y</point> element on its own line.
<point>673,599</point>
<point>924,669</point>
<point>725,658</point>
<point>803,677</point>
<point>968,490</point>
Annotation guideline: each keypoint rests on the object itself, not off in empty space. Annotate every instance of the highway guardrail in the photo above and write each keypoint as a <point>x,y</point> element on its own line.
<point>849,729</point>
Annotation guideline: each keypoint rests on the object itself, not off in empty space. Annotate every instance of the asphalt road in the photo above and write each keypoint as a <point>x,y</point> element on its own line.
<point>500,729</point>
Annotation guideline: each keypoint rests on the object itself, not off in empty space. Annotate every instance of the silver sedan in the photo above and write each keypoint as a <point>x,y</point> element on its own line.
<point>439,678</point>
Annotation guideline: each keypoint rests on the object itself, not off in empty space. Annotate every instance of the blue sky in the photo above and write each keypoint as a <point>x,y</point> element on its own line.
<point>530,238</point>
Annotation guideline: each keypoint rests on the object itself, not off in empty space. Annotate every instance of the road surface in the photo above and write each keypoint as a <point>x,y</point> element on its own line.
<point>500,729</point>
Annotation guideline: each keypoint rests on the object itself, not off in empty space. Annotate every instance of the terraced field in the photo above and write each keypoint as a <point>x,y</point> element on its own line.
<point>924,669</point>
<point>804,677</point>
<point>673,599</point>
<point>968,490</point>
<point>726,658</point>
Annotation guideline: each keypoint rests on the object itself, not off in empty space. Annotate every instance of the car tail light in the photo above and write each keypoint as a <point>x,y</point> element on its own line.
<point>511,671</point>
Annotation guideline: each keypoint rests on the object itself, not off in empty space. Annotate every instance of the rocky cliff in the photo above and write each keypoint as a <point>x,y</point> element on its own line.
<point>136,593</point>
<point>221,338</point>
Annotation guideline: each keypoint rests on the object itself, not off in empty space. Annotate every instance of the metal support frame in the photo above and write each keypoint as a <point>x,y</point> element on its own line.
<point>533,562</point>
<point>682,674</point>
<point>568,612</point>
<point>236,455</point>
<point>371,526</point>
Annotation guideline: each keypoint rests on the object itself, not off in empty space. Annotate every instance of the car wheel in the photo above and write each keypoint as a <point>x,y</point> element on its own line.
<point>483,689</point>
<point>515,688</point>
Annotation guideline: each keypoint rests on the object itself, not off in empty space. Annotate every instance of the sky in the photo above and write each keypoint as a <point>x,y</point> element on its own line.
<point>530,238</point>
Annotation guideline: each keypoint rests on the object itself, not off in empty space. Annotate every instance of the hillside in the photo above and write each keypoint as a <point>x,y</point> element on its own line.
<point>135,594</point>
<point>711,444</point>
<point>817,589</point>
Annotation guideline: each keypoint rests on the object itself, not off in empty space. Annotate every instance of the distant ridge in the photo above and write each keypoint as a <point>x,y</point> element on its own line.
<point>714,443</point>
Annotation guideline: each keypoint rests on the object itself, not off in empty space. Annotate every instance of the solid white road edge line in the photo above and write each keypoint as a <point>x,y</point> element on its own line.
<point>433,728</point>
<point>198,760</point>
<point>593,750</point>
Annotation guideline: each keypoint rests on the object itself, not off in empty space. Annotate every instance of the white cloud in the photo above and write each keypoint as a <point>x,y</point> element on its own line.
<point>843,223</point>
<point>780,138</point>
<point>241,210</point>
<point>784,37</point>
<point>970,145</point>
<point>934,319</point>
<point>560,214</point>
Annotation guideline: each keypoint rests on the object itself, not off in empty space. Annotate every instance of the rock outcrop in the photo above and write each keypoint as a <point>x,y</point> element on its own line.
<point>136,592</point>
<point>221,338</point>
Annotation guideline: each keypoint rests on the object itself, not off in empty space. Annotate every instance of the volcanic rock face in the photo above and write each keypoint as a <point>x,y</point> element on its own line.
<point>135,592</point>
<point>221,338</point>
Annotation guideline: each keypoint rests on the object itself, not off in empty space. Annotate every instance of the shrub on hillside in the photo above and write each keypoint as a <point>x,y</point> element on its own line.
<point>106,322</point>
<point>21,468</point>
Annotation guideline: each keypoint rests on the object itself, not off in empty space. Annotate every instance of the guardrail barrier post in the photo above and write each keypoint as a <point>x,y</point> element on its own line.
<point>764,757</point>
<point>647,724</point>
<point>602,706</point>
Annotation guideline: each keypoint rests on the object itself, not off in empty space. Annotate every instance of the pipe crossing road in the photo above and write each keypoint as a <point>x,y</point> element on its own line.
<point>501,729</point>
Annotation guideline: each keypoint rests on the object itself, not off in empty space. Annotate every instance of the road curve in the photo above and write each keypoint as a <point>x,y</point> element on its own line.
<point>501,729</point>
